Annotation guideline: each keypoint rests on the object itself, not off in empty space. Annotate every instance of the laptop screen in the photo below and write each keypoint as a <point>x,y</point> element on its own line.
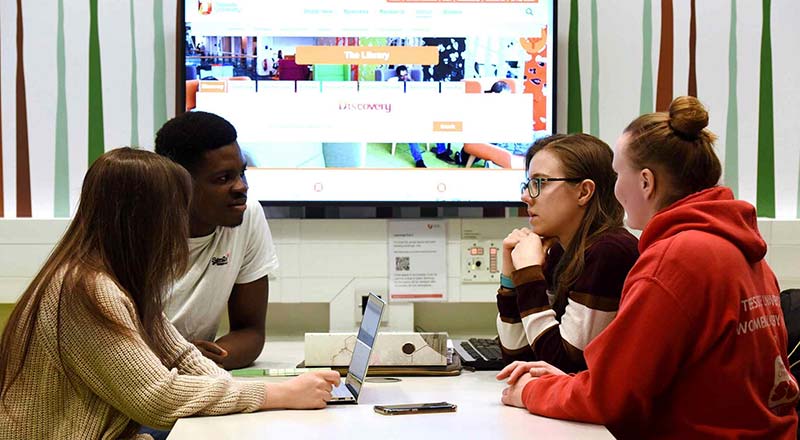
<point>364,342</point>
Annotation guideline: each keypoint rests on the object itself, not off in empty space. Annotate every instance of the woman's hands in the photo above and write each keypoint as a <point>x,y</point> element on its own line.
<point>516,369</point>
<point>523,248</point>
<point>519,373</point>
<point>528,252</point>
<point>514,237</point>
<point>509,243</point>
<point>308,391</point>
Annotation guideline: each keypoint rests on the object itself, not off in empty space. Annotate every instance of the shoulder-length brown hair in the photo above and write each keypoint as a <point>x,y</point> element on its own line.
<point>132,226</point>
<point>586,157</point>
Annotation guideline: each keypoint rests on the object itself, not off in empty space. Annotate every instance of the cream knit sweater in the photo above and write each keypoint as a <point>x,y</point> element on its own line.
<point>117,382</point>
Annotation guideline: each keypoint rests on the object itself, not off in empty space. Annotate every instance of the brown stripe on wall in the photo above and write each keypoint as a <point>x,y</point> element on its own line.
<point>693,52</point>
<point>594,302</point>
<point>23,163</point>
<point>665,57</point>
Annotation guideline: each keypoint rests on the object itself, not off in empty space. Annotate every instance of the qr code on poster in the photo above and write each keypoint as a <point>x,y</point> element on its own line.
<point>402,263</point>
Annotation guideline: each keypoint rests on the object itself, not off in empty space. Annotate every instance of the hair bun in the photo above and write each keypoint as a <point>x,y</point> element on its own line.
<point>687,116</point>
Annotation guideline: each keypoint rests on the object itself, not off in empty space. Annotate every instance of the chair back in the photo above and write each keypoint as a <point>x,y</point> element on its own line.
<point>790,304</point>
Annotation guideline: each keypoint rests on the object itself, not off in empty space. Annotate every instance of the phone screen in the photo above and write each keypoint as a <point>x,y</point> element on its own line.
<point>415,408</point>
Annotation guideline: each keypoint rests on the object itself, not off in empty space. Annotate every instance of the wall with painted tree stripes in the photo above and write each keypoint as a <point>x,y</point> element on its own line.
<point>630,57</point>
<point>82,76</point>
<point>78,77</point>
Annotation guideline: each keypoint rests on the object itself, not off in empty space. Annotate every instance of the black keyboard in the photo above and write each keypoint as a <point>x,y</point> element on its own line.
<point>480,354</point>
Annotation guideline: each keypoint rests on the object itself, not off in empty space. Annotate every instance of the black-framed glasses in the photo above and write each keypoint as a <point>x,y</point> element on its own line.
<point>534,184</point>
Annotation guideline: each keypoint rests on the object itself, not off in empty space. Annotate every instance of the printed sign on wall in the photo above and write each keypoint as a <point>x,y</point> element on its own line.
<point>417,261</point>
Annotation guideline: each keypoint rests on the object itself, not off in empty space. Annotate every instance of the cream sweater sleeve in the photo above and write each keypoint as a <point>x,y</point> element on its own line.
<point>184,356</point>
<point>124,372</point>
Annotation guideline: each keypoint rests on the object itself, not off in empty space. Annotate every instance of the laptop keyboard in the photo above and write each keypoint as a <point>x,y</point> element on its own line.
<point>481,354</point>
<point>341,391</point>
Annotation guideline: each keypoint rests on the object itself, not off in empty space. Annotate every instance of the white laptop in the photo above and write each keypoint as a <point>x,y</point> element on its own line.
<point>350,388</point>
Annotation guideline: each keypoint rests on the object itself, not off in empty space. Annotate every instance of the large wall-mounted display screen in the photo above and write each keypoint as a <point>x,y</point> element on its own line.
<point>376,100</point>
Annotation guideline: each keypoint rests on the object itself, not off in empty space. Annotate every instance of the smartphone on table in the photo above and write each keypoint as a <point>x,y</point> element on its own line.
<point>415,408</point>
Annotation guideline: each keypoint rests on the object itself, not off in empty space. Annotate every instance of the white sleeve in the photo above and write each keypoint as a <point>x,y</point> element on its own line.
<point>512,335</point>
<point>259,254</point>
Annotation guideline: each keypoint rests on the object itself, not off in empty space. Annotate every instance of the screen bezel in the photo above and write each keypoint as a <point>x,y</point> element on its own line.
<point>180,106</point>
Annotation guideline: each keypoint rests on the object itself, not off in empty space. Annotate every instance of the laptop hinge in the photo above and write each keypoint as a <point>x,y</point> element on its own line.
<point>352,390</point>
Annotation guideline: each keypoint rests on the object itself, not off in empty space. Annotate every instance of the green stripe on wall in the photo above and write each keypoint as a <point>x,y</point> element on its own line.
<point>732,125</point>
<point>765,183</point>
<point>594,97</point>
<point>646,94</point>
<point>96,129</point>
<point>134,82</point>
<point>574,110</point>
<point>61,179</point>
<point>665,58</point>
<point>159,69</point>
<point>21,107</point>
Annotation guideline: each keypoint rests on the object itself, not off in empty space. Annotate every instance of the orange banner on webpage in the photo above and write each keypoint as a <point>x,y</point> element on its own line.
<point>428,55</point>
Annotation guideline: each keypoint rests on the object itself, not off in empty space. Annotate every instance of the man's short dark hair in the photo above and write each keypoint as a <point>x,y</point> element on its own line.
<point>399,69</point>
<point>185,138</point>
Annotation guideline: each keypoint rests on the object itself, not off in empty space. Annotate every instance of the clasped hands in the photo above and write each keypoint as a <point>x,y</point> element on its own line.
<point>523,248</point>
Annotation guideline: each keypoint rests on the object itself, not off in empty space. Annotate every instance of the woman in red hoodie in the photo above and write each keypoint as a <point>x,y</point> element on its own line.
<point>698,347</point>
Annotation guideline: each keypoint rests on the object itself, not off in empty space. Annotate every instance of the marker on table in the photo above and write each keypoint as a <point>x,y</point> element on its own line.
<point>274,372</point>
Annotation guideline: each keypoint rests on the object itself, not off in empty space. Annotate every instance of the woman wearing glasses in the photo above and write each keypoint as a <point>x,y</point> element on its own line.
<point>562,277</point>
<point>698,348</point>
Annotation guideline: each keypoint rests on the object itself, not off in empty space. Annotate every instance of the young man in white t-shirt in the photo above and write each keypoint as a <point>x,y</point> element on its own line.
<point>230,245</point>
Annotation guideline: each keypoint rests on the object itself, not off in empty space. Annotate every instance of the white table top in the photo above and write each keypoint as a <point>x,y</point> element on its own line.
<point>480,413</point>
